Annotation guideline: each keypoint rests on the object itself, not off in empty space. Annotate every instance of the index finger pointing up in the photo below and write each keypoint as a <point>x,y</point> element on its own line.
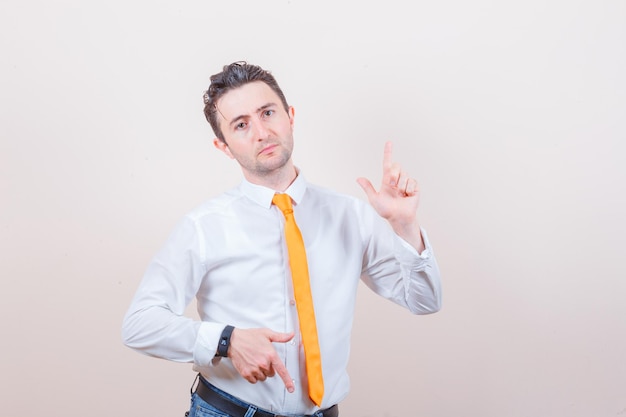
<point>387,160</point>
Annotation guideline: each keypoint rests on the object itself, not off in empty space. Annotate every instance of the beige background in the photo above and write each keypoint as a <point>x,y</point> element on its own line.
<point>511,115</point>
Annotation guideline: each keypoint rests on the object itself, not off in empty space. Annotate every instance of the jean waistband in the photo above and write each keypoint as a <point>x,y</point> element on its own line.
<point>214,396</point>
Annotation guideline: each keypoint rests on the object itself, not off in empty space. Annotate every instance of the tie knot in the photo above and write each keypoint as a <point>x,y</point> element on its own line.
<point>283,202</point>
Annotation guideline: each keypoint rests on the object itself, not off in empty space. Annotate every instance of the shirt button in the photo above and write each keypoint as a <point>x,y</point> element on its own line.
<point>292,302</point>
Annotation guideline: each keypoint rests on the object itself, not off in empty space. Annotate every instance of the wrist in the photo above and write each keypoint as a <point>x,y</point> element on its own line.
<point>411,233</point>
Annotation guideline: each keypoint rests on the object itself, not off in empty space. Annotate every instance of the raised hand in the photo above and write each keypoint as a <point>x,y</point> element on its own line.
<point>255,358</point>
<point>397,200</point>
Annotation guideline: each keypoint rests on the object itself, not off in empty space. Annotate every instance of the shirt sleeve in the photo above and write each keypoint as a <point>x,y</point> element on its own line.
<point>155,323</point>
<point>395,270</point>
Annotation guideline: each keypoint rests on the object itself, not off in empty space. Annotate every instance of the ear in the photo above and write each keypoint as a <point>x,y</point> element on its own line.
<point>292,113</point>
<point>222,146</point>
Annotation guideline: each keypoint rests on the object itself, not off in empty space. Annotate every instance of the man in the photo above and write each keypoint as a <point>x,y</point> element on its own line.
<point>274,336</point>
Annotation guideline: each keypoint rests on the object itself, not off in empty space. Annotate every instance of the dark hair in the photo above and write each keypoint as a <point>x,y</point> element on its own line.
<point>233,76</point>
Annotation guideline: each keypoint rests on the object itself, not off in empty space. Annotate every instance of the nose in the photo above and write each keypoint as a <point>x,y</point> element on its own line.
<point>261,131</point>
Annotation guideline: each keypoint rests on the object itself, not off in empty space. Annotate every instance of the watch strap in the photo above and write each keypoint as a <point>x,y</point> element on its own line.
<point>224,343</point>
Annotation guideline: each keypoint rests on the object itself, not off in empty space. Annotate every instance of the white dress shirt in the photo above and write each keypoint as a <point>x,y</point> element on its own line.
<point>230,253</point>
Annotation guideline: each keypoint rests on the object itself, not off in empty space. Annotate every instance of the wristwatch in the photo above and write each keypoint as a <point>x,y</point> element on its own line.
<point>224,343</point>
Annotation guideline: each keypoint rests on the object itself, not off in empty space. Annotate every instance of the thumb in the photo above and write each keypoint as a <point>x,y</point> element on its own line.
<point>280,337</point>
<point>367,186</point>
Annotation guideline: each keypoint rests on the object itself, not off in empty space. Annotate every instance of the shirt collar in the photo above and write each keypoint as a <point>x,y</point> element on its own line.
<point>263,195</point>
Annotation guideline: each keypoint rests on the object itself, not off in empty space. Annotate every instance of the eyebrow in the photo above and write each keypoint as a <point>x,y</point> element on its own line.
<point>243,116</point>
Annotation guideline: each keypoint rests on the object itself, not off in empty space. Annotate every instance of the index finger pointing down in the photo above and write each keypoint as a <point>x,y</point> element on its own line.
<point>281,370</point>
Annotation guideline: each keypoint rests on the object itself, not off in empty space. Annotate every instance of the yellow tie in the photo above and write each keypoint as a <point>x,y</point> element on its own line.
<point>304,300</point>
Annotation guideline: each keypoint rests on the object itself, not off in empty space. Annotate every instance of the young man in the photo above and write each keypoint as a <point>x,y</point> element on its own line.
<point>274,335</point>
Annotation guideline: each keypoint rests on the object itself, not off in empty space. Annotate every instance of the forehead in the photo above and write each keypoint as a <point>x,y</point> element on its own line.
<point>245,100</point>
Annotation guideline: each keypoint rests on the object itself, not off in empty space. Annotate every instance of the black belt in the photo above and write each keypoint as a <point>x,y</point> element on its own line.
<point>215,399</point>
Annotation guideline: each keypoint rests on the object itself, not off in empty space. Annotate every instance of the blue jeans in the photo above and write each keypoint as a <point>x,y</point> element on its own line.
<point>200,408</point>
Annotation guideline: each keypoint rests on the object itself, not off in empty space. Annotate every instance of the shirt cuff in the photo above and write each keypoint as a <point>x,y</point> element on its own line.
<point>206,343</point>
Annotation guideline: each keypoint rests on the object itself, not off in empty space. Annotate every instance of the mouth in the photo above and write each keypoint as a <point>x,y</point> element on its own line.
<point>268,149</point>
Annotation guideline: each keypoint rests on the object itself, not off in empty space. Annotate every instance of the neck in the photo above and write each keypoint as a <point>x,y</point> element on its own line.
<point>278,180</point>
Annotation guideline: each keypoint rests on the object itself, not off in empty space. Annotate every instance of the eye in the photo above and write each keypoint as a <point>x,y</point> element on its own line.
<point>240,126</point>
<point>268,112</point>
